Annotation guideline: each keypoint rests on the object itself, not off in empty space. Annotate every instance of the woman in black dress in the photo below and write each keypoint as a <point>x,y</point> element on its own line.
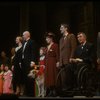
<point>17,66</point>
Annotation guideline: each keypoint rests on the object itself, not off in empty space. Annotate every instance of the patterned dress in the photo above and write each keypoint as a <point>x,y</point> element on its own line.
<point>7,85</point>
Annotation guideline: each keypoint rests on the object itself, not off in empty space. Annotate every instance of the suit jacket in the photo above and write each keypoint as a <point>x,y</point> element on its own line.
<point>67,48</point>
<point>86,52</point>
<point>29,52</point>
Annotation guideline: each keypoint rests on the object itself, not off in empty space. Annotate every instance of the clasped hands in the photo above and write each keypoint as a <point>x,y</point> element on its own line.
<point>75,60</point>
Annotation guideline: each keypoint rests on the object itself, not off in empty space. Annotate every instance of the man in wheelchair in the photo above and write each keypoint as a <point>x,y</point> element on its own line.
<point>84,58</point>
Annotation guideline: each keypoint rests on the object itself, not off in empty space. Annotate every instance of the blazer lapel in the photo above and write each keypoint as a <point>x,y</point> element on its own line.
<point>64,41</point>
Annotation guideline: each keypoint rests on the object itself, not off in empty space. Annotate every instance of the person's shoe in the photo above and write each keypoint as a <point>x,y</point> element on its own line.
<point>21,93</point>
<point>17,93</point>
<point>54,94</point>
<point>39,95</point>
<point>50,94</point>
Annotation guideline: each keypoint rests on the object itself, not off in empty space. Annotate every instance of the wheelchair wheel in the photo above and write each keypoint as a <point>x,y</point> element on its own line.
<point>58,76</point>
<point>59,83</point>
<point>80,75</point>
<point>85,79</point>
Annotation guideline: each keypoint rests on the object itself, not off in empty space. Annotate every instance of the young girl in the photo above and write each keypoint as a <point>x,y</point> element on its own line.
<point>7,84</point>
<point>1,78</point>
<point>40,73</point>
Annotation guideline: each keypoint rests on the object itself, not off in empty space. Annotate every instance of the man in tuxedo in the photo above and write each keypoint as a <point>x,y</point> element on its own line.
<point>28,60</point>
<point>84,55</point>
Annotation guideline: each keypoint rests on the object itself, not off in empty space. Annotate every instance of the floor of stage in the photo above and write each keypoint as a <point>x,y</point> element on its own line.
<point>13,96</point>
<point>58,97</point>
<point>74,97</point>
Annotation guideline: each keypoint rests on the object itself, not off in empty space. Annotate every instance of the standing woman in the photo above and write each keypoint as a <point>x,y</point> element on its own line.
<point>16,65</point>
<point>52,60</point>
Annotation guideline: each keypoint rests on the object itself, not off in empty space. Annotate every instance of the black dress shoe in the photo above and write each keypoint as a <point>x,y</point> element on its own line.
<point>50,94</point>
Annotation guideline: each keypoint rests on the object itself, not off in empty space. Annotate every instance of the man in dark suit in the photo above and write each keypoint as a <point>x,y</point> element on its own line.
<point>84,55</point>
<point>28,60</point>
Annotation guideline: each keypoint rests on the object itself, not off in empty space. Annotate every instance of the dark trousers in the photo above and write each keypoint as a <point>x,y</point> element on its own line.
<point>27,81</point>
<point>67,76</point>
<point>30,87</point>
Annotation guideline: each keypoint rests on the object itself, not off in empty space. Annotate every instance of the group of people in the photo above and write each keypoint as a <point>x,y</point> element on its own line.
<point>21,60</point>
<point>53,58</point>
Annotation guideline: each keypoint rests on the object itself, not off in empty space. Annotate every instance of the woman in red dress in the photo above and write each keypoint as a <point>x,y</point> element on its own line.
<point>52,62</point>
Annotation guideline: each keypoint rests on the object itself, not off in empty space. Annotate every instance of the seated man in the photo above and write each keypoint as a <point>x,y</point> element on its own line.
<point>84,56</point>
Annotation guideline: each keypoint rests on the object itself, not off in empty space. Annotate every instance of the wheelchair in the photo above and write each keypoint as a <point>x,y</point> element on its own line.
<point>59,90</point>
<point>85,80</point>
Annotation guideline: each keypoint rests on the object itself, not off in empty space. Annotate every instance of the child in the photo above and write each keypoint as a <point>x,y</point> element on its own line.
<point>40,73</point>
<point>1,78</point>
<point>7,85</point>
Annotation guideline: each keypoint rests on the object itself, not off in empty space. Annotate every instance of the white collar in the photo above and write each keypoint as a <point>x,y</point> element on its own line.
<point>65,34</point>
<point>84,43</point>
<point>42,57</point>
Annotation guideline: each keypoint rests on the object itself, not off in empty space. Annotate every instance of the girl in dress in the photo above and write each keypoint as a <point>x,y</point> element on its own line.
<point>7,83</point>
<point>1,78</point>
<point>40,73</point>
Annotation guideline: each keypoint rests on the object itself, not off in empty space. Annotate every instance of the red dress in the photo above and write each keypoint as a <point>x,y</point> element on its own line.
<point>40,76</point>
<point>1,82</point>
<point>52,57</point>
<point>42,65</point>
